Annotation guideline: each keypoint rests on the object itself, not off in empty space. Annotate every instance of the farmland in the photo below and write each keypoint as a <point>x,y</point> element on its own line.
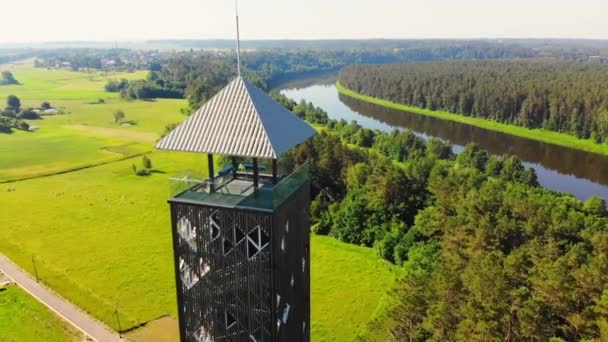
<point>100,234</point>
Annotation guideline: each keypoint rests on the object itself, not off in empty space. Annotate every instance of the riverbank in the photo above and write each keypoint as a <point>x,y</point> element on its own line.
<point>550,137</point>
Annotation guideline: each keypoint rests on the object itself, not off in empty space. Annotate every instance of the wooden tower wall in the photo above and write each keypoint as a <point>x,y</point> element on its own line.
<point>230,290</point>
<point>291,259</point>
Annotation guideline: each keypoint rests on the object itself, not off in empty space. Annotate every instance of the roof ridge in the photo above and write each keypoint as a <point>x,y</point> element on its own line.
<point>259,117</point>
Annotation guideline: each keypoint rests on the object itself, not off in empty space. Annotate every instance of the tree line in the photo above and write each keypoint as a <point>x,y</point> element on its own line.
<point>150,88</point>
<point>487,253</point>
<point>198,75</point>
<point>561,96</point>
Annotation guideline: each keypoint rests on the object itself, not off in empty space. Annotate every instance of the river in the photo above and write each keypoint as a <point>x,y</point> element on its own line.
<point>558,168</point>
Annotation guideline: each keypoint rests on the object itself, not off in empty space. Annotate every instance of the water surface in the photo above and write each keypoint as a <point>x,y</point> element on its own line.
<point>580,173</point>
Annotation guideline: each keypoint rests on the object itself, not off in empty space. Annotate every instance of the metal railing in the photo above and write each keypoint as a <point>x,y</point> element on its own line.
<point>190,182</point>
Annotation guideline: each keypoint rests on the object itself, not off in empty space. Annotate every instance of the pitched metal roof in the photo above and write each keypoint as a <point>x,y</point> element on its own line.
<point>240,120</point>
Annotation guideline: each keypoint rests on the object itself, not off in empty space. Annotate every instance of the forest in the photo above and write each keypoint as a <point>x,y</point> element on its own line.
<point>487,253</point>
<point>199,74</point>
<point>556,95</point>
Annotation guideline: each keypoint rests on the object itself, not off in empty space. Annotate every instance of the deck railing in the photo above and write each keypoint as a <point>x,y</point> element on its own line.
<point>190,183</point>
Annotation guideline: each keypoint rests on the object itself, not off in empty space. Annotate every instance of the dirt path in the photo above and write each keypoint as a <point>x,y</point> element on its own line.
<point>66,310</point>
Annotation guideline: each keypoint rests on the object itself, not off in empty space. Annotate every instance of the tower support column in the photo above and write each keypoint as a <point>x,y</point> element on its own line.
<point>211,172</point>
<point>256,174</point>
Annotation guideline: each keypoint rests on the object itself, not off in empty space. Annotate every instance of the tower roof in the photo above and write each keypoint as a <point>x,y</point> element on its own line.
<point>240,120</point>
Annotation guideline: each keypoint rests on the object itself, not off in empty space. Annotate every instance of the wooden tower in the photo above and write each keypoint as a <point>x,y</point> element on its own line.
<point>241,236</point>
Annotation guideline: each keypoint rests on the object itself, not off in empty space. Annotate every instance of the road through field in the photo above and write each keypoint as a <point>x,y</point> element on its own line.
<point>68,311</point>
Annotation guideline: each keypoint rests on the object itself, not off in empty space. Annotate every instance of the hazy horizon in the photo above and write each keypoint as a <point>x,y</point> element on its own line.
<point>114,20</point>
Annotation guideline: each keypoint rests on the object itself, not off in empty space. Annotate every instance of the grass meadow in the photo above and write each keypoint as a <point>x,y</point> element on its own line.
<point>41,84</point>
<point>17,307</point>
<point>100,235</point>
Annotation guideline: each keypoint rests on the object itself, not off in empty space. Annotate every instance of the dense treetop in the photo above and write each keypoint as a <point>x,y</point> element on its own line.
<point>562,96</point>
<point>487,253</point>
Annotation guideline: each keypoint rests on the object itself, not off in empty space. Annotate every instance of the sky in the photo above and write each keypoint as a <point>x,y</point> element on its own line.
<point>128,20</point>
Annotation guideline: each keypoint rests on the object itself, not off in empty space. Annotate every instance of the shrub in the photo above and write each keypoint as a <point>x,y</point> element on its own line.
<point>22,125</point>
<point>5,127</point>
<point>9,113</point>
<point>28,114</point>
<point>596,205</point>
<point>119,115</point>
<point>169,128</point>
<point>145,171</point>
<point>146,162</point>
<point>13,103</point>
<point>8,78</point>
<point>115,86</point>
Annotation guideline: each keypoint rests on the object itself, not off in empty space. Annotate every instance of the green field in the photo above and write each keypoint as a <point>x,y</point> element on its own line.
<point>87,135</point>
<point>550,137</point>
<point>349,287</point>
<point>22,318</point>
<point>41,84</point>
<point>101,235</point>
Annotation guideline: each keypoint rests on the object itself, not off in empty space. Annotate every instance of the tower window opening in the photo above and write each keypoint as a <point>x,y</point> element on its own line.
<point>257,240</point>
<point>187,232</point>
<point>204,268</point>
<point>286,313</point>
<point>187,274</point>
<point>230,320</point>
<point>214,226</point>
<point>238,234</point>
<point>227,246</point>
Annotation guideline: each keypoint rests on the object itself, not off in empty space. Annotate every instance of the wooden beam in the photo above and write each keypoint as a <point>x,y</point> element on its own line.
<point>256,174</point>
<point>274,171</point>
<point>235,167</point>
<point>211,172</point>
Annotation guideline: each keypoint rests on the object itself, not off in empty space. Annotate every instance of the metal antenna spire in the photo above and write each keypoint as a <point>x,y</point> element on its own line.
<point>238,39</point>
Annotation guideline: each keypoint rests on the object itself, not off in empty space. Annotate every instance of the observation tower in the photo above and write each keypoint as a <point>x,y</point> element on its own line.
<point>241,236</point>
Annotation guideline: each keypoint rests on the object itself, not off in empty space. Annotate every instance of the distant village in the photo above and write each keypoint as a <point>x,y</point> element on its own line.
<point>114,59</point>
